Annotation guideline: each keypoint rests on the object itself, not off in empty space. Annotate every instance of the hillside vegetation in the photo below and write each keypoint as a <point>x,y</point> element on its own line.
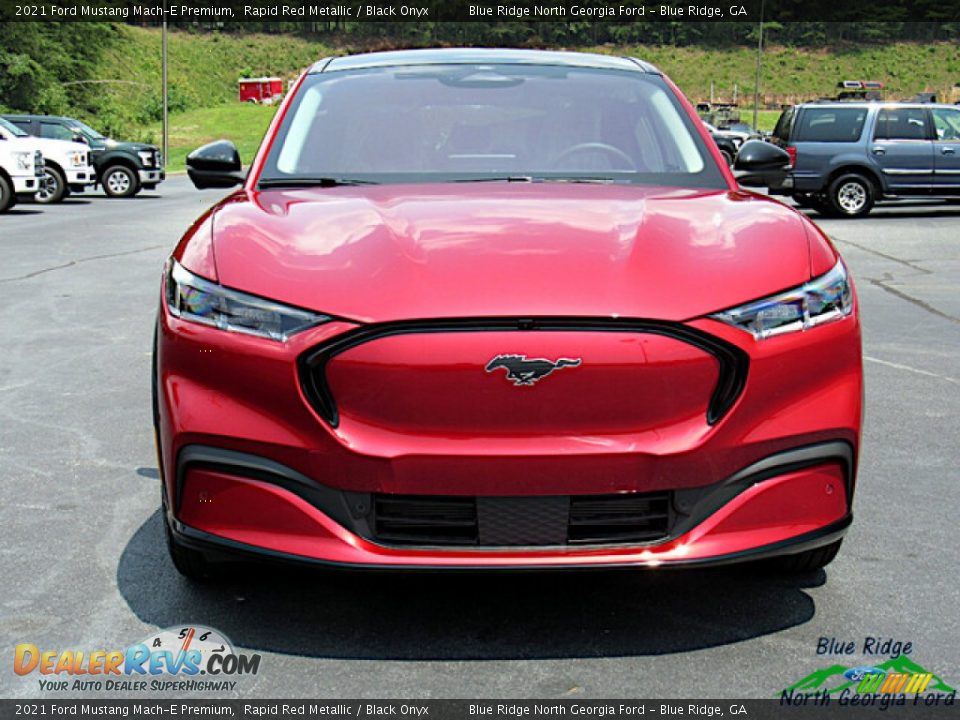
<point>204,68</point>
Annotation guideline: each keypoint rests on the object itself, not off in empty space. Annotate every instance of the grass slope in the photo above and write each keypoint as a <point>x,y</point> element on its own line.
<point>204,69</point>
<point>242,123</point>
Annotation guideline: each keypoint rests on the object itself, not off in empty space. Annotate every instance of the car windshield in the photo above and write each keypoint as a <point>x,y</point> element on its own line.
<point>463,122</point>
<point>86,131</point>
<point>12,129</point>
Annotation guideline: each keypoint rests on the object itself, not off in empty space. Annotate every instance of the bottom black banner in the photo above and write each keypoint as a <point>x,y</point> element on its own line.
<point>813,706</point>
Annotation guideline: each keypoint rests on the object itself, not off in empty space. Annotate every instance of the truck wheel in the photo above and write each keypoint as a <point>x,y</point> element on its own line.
<point>120,181</point>
<point>850,196</point>
<point>53,188</point>
<point>6,195</point>
<point>727,158</point>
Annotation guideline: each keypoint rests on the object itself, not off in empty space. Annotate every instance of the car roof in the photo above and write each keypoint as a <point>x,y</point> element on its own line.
<point>37,117</point>
<point>873,103</point>
<point>466,56</point>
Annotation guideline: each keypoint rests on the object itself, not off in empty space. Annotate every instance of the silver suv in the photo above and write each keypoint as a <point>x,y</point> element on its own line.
<point>848,155</point>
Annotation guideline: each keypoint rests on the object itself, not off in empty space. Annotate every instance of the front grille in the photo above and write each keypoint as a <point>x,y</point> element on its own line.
<point>521,521</point>
<point>733,362</point>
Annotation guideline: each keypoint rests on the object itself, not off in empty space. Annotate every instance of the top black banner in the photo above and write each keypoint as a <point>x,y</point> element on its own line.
<point>185,12</point>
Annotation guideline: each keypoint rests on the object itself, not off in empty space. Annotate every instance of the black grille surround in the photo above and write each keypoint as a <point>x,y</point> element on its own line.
<point>733,362</point>
<point>557,520</point>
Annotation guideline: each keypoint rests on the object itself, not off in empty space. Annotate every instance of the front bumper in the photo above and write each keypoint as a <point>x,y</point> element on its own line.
<point>26,184</point>
<point>231,503</point>
<point>251,464</point>
<point>81,176</point>
<point>151,177</point>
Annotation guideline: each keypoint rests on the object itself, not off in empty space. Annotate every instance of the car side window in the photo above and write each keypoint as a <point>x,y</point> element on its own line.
<point>55,131</point>
<point>946,121</point>
<point>905,123</point>
<point>831,124</point>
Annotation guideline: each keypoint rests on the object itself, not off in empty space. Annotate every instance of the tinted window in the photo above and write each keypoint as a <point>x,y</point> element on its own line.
<point>55,131</point>
<point>830,124</point>
<point>947,123</point>
<point>782,131</point>
<point>435,123</point>
<point>22,124</point>
<point>907,123</point>
<point>12,129</point>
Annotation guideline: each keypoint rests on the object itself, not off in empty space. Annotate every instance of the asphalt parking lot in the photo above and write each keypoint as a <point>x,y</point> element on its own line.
<point>84,564</point>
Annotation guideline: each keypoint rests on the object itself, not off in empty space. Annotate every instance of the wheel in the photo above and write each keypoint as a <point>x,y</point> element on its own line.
<point>850,196</point>
<point>53,187</point>
<point>727,158</point>
<point>807,561</point>
<point>6,195</point>
<point>120,181</point>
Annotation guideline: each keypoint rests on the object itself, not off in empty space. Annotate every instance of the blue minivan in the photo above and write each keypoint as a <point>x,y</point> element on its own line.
<point>848,155</point>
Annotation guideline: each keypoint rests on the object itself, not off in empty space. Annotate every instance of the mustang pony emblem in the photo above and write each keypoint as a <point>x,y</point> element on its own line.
<point>526,372</point>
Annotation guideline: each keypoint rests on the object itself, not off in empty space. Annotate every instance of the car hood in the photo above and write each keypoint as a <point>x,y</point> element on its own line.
<point>132,147</point>
<point>481,249</point>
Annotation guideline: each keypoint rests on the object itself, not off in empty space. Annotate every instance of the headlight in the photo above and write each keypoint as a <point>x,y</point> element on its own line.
<point>24,160</point>
<point>146,157</point>
<point>193,298</point>
<point>819,301</point>
<point>77,159</point>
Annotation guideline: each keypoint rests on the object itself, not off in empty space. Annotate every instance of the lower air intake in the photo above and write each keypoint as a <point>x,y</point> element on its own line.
<point>521,521</point>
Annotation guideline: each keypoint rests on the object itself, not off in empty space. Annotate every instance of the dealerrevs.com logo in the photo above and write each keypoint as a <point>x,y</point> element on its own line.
<point>177,659</point>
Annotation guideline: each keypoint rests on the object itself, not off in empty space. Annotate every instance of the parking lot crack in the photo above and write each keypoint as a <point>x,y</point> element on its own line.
<point>908,368</point>
<point>106,256</point>
<point>882,284</point>
<point>885,256</point>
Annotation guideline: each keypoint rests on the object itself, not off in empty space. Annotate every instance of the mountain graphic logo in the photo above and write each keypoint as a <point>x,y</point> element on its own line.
<point>837,678</point>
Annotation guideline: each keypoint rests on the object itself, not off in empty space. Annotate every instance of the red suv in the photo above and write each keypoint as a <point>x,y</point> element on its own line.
<point>502,309</point>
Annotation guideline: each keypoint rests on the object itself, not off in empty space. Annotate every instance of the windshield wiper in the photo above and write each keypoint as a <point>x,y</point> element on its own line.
<point>504,178</point>
<point>574,179</point>
<point>295,182</point>
<point>538,179</point>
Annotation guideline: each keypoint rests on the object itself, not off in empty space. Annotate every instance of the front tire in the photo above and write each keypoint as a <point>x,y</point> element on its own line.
<point>6,195</point>
<point>850,196</point>
<point>189,562</point>
<point>120,181</point>
<point>53,189</point>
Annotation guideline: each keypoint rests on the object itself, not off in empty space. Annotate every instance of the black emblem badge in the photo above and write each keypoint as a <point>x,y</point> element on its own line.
<point>522,371</point>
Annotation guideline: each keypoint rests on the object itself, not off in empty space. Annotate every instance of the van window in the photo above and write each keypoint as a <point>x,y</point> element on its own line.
<point>830,124</point>
<point>782,131</point>
<point>947,123</point>
<point>904,123</point>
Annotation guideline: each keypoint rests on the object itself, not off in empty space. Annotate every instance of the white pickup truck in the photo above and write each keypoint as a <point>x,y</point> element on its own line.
<point>21,170</point>
<point>67,165</point>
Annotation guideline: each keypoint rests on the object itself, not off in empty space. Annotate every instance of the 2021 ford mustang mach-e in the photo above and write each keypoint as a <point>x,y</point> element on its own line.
<point>502,309</point>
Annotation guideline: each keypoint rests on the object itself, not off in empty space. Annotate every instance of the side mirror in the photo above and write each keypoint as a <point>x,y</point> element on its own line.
<point>760,164</point>
<point>215,165</point>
